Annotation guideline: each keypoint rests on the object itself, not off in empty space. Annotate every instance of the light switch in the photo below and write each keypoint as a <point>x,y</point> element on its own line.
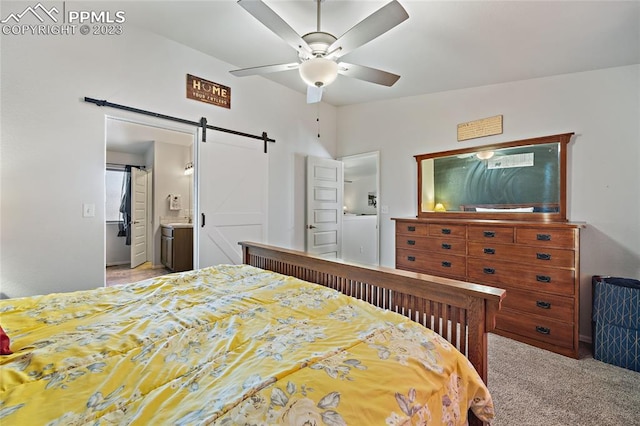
<point>384,209</point>
<point>88,210</point>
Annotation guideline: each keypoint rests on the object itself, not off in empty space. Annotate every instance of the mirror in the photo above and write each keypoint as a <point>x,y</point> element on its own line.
<point>523,179</point>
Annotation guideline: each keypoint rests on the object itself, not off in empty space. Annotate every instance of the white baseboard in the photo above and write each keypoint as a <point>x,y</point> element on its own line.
<point>124,262</point>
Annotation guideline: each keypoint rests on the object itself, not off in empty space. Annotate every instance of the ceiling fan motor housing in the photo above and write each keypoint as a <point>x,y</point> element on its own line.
<point>319,43</point>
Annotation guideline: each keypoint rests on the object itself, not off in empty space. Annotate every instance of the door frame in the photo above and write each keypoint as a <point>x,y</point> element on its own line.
<point>162,125</point>
<point>376,156</point>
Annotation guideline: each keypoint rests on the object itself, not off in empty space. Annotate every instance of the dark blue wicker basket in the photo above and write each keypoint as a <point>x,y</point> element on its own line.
<point>616,321</point>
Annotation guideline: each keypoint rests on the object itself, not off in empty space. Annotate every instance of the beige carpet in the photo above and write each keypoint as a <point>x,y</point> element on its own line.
<point>531,386</point>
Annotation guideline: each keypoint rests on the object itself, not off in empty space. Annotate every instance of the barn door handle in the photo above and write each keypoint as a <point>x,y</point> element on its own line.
<point>203,219</point>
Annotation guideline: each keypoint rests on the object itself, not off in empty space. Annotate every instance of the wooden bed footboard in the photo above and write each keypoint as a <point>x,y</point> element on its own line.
<point>461,312</point>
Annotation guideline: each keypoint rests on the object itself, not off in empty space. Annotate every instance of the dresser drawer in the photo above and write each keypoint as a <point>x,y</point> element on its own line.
<point>447,230</point>
<point>442,245</point>
<point>538,256</point>
<point>553,306</point>
<point>496,234</point>
<point>526,277</point>
<point>431,263</point>
<point>535,327</point>
<point>563,238</point>
<point>411,228</point>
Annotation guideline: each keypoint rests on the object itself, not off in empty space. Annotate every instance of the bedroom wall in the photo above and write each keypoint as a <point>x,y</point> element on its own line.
<point>45,243</point>
<point>602,108</point>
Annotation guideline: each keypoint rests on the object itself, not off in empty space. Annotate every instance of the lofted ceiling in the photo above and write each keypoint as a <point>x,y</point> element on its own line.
<point>444,45</point>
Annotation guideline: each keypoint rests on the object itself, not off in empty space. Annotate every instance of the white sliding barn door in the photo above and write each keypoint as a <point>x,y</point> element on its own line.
<point>232,186</point>
<point>325,185</point>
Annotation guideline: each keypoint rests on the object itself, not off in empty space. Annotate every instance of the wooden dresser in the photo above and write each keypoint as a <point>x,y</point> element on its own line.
<point>536,262</point>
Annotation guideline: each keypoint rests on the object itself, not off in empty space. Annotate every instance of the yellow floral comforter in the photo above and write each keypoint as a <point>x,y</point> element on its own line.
<point>230,345</point>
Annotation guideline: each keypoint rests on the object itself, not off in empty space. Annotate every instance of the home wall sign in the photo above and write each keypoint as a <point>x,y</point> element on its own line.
<point>207,91</point>
<point>479,128</point>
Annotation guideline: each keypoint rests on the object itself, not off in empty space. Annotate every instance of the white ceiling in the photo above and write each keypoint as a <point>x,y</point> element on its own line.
<point>444,45</point>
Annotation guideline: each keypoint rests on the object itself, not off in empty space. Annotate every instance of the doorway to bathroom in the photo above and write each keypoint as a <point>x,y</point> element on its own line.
<point>147,168</point>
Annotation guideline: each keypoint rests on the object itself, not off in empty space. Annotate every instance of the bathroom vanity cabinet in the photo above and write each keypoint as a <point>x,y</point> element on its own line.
<point>176,248</point>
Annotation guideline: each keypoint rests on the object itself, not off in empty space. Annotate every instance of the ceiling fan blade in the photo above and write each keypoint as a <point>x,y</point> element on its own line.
<point>314,94</point>
<point>266,69</point>
<point>369,28</point>
<point>372,75</point>
<point>275,23</point>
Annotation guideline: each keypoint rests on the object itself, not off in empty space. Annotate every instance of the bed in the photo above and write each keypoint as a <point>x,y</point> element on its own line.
<point>253,344</point>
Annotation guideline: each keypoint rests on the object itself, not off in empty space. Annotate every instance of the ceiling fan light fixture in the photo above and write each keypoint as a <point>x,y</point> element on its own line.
<point>318,72</point>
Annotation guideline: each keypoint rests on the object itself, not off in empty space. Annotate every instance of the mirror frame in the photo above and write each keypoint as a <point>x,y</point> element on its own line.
<point>559,216</point>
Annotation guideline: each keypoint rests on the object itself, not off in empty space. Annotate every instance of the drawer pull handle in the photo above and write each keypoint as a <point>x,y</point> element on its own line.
<point>543,237</point>
<point>446,264</point>
<point>446,246</point>
<point>543,278</point>
<point>446,231</point>
<point>411,242</point>
<point>543,256</point>
<point>543,330</point>
<point>411,228</point>
<point>543,305</point>
<point>489,271</point>
<point>489,251</point>
<point>411,258</point>
<point>489,234</point>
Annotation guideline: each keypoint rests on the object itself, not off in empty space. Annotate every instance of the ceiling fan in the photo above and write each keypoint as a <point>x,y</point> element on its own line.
<point>319,52</point>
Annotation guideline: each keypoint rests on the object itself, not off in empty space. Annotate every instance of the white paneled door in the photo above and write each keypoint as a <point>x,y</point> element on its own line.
<point>232,186</point>
<point>325,185</point>
<point>138,217</point>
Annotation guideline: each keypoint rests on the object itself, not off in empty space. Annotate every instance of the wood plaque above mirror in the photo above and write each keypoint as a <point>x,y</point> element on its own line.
<point>518,180</point>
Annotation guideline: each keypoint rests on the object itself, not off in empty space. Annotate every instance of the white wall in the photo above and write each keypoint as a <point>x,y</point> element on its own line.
<point>45,243</point>
<point>360,239</point>
<point>602,107</point>
<point>356,194</point>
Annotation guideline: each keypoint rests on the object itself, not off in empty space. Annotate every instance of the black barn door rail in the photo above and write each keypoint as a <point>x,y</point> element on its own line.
<point>202,123</point>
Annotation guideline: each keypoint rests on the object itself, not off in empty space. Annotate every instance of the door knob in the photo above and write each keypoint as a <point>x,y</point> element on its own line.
<point>311,227</point>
